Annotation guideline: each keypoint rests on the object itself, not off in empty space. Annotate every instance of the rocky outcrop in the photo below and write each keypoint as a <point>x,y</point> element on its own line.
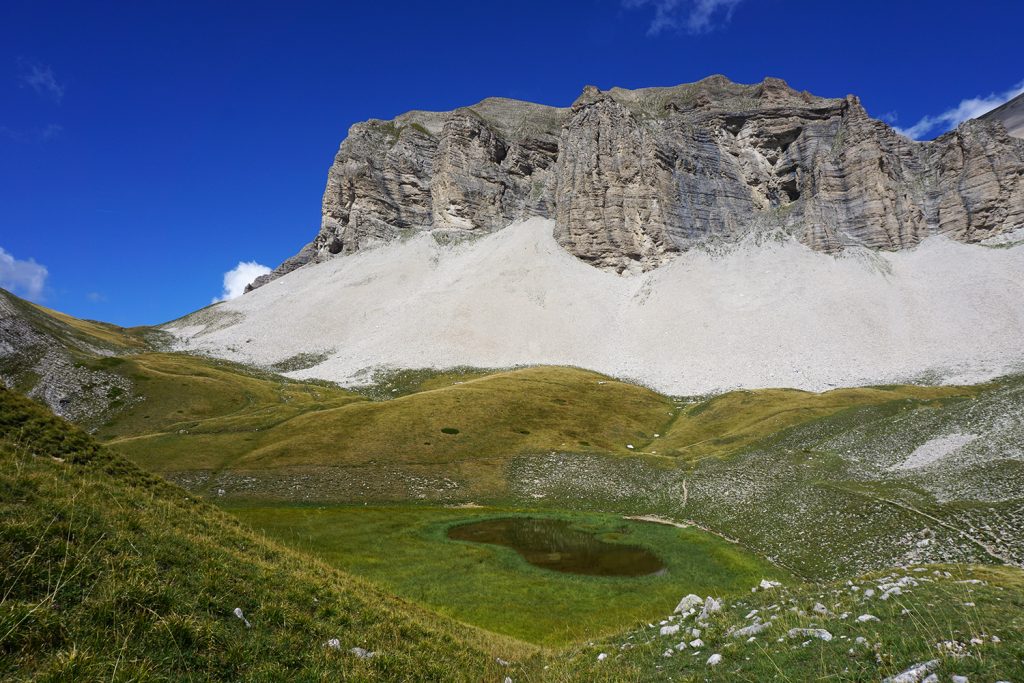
<point>45,359</point>
<point>632,176</point>
<point>1011,115</point>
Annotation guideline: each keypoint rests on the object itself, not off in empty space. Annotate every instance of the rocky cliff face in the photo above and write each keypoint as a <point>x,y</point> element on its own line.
<point>632,176</point>
<point>1011,115</point>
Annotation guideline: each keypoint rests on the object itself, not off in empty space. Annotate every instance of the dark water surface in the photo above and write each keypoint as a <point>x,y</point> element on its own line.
<point>554,544</point>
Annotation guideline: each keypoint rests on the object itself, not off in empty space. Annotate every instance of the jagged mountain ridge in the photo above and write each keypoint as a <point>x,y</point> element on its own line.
<point>633,176</point>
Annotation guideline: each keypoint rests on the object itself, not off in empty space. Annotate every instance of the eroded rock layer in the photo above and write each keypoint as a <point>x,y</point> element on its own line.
<point>632,176</point>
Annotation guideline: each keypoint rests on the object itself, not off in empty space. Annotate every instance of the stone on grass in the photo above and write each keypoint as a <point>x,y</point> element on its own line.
<point>864,618</point>
<point>751,630</point>
<point>691,601</point>
<point>714,659</point>
<point>669,630</point>
<point>819,633</point>
<point>333,644</point>
<point>710,606</point>
<point>238,613</point>
<point>915,674</point>
<point>361,653</point>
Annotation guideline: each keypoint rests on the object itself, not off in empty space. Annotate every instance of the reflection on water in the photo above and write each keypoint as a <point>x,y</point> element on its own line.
<point>555,544</point>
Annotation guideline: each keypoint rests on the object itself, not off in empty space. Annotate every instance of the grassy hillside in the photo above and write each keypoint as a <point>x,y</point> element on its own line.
<point>946,620</point>
<point>734,421</point>
<point>110,573</point>
<point>176,393</point>
<point>463,431</point>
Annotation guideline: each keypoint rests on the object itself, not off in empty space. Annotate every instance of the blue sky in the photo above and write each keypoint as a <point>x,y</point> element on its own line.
<point>146,148</point>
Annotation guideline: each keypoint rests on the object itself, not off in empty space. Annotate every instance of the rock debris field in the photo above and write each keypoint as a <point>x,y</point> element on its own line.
<point>746,315</point>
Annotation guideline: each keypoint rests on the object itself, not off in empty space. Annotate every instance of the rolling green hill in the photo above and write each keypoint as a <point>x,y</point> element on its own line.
<point>111,573</point>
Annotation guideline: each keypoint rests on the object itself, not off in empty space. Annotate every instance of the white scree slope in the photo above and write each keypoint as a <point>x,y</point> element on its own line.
<point>754,316</point>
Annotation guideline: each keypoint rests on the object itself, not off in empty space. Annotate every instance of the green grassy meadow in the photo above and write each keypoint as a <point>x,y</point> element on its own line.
<point>405,551</point>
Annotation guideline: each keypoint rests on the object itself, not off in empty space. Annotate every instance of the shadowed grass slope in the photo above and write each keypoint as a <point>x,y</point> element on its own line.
<point>110,572</point>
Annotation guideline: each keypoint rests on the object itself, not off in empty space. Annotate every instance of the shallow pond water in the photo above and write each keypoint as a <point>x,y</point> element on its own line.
<point>555,544</point>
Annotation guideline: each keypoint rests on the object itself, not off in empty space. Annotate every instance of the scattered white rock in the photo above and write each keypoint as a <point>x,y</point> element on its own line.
<point>864,618</point>
<point>959,679</point>
<point>690,602</point>
<point>603,656</point>
<point>934,450</point>
<point>714,659</point>
<point>361,653</point>
<point>696,642</point>
<point>895,590</point>
<point>751,630</point>
<point>768,585</point>
<point>670,630</point>
<point>915,674</point>
<point>238,613</point>
<point>818,633</point>
<point>333,644</point>
<point>710,607</point>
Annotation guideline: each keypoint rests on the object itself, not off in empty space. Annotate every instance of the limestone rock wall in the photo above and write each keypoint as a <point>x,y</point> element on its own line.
<point>632,176</point>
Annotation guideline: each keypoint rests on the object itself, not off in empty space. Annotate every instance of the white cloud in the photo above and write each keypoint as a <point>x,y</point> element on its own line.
<point>32,135</point>
<point>967,109</point>
<point>238,277</point>
<point>695,16</point>
<point>41,79</point>
<point>23,277</point>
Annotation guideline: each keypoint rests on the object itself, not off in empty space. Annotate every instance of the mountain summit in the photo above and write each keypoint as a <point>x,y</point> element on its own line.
<point>632,177</point>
